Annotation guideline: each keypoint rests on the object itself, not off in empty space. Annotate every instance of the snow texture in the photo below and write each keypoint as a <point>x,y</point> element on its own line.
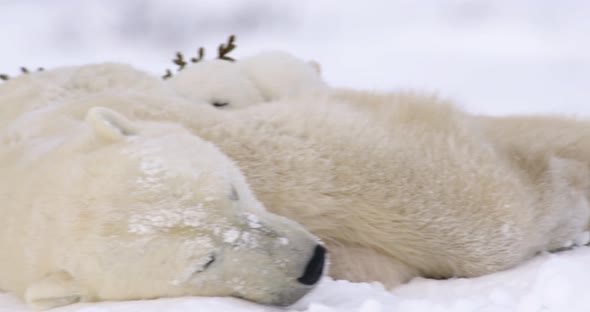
<point>491,56</point>
<point>550,282</point>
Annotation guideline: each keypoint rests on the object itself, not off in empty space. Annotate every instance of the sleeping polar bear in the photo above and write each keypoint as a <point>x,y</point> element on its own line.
<point>420,189</point>
<point>260,78</point>
<point>97,207</point>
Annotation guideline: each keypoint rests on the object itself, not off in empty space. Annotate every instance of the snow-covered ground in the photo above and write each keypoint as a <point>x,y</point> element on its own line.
<point>491,56</point>
<point>551,282</point>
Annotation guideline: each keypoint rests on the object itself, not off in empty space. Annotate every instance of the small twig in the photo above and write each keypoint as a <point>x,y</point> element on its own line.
<point>200,56</point>
<point>179,60</point>
<point>168,74</point>
<point>24,70</point>
<point>224,49</point>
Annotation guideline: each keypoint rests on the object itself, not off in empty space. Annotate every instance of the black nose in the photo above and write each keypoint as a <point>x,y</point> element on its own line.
<point>315,267</point>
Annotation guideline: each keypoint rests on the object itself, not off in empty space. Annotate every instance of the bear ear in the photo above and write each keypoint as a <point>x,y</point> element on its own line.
<point>109,125</point>
<point>54,290</point>
<point>316,66</point>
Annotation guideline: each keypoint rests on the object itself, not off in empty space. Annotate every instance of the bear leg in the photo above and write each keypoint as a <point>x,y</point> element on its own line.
<point>364,264</point>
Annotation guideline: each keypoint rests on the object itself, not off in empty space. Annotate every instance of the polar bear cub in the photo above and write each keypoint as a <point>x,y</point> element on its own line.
<point>264,77</point>
<point>104,208</point>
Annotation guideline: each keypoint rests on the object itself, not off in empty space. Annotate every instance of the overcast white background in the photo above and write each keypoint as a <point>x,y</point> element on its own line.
<point>497,56</point>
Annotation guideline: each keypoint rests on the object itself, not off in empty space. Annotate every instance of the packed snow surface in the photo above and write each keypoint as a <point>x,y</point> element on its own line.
<point>550,282</point>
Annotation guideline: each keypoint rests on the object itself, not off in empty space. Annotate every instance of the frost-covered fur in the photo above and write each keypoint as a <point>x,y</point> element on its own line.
<point>411,187</point>
<point>264,77</point>
<point>94,206</point>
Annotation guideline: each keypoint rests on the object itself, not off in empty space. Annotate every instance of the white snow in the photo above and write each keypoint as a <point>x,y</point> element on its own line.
<point>151,221</point>
<point>491,56</point>
<point>582,239</point>
<point>231,236</point>
<point>253,221</point>
<point>551,282</point>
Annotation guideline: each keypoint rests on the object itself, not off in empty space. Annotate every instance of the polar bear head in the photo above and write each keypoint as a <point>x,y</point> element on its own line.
<point>264,77</point>
<point>160,212</point>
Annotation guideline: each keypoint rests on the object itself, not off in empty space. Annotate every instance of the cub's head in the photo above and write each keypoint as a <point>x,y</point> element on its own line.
<point>163,213</point>
<point>265,77</point>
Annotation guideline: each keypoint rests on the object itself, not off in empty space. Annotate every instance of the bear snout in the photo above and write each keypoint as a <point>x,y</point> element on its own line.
<point>315,267</point>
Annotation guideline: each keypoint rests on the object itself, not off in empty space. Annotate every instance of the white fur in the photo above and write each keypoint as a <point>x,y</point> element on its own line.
<point>95,206</point>
<point>264,77</point>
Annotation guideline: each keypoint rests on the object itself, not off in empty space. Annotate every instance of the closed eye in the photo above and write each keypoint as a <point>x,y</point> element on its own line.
<point>211,260</point>
<point>207,264</point>
<point>219,103</point>
<point>195,269</point>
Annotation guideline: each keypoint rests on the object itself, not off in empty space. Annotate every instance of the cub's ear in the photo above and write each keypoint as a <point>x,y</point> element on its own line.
<point>109,125</point>
<point>316,66</point>
<point>54,290</point>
